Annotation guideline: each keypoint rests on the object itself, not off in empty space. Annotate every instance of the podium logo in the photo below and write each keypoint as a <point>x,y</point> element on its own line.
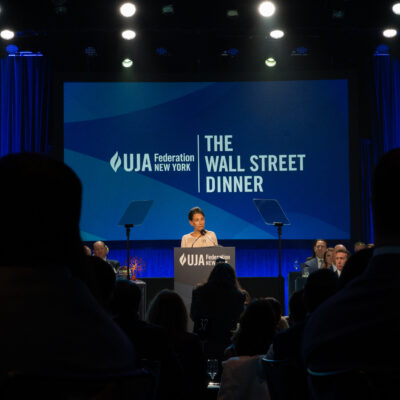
<point>192,260</point>
<point>115,161</point>
<point>182,260</point>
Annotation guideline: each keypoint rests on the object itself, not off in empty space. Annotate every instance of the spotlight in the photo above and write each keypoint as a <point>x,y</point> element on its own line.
<point>90,51</point>
<point>337,14</point>
<point>270,62</point>
<point>60,6</point>
<point>396,8</point>
<point>168,9</point>
<point>12,49</point>
<point>389,33</point>
<point>232,13</point>
<point>300,51</point>
<point>277,34</point>
<point>162,51</point>
<point>6,34</point>
<point>127,9</point>
<point>127,63</point>
<point>128,34</point>
<point>230,52</point>
<point>382,50</point>
<point>266,8</point>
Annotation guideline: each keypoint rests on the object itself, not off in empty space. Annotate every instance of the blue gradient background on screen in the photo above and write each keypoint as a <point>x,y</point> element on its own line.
<point>282,117</point>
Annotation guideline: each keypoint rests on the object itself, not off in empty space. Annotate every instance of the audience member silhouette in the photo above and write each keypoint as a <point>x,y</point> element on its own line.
<point>359,327</point>
<point>297,308</point>
<point>153,346</point>
<point>168,310</point>
<point>99,277</point>
<point>355,266</point>
<point>280,322</point>
<point>242,374</point>
<point>256,330</point>
<point>216,308</point>
<point>50,321</point>
<point>286,347</point>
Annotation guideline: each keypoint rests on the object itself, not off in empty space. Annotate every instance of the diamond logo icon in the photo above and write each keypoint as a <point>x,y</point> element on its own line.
<point>182,260</point>
<point>115,161</point>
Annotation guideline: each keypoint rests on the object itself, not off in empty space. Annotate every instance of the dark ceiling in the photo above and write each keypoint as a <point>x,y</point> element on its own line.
<point>197,36</point>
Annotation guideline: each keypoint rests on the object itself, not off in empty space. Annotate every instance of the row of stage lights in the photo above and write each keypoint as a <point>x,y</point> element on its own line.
<point>266,9</point>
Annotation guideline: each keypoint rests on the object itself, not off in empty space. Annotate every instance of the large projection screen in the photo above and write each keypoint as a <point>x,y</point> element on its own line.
<point>216,145</point>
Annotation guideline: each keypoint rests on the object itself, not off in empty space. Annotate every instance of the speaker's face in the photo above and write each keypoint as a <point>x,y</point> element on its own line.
<point>198,222</point>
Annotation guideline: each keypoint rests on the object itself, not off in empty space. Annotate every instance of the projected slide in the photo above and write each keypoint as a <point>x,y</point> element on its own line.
<point>216,145</point>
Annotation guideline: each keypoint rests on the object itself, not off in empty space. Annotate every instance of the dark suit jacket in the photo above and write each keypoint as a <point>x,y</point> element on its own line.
<point>311,265</point>
<point>115,264</point>
<point>360,325</point>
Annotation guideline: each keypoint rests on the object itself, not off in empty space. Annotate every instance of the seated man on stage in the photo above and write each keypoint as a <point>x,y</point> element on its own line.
<point>341,257</point>
<point>317,261</point>
<point>199,237</point>
<point>101,250</point>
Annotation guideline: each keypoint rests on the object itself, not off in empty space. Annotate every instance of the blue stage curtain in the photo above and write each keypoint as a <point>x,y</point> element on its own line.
<point>385,130</point>
<point>24,104</point>
<point>386,133</point>
<point>366,176</point>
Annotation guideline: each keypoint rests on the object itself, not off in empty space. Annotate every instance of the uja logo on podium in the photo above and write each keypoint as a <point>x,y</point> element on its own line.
<point>192,260</point>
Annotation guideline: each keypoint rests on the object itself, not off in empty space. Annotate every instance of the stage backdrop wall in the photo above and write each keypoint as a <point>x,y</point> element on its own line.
<point>217,145</point>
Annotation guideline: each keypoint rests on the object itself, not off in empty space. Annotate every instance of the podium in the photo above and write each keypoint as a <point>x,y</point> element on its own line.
<point>193,266</point>
<point>296,281</point>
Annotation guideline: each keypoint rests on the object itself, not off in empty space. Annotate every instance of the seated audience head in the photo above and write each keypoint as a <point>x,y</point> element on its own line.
<point>355,266</point>
<point>168,310</point>
<point>328,257</point>
<point>256,329</point>
<point>100,249</point>
<point>340,246</point>
<point>385,202</point>
<point>359,246</point>
<point>87,250</point>
<point>126,299</point>
<point>222,275</point>
<point>276,307</point>
<point>40,212</point>
<point>320,285</point>
<point>99,277</point>
<point>341,257</point>
<point>297,308</point>
<point>319,248</point>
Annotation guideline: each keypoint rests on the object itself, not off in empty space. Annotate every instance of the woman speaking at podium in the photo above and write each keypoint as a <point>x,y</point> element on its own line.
<point>199,237</point>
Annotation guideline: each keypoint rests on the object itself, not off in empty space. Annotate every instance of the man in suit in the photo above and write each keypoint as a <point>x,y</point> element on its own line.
<point>101,250</point>
<point>359,327</point>
<point>316,262</point>
<point>341,257</point>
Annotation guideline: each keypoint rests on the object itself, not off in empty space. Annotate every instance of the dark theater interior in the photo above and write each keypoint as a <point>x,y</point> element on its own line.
<point>199,199</point>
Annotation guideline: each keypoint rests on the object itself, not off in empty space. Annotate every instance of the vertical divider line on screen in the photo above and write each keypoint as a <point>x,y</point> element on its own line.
<point>198,163</point>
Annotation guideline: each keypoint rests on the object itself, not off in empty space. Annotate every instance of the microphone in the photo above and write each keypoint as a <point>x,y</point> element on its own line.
<point>196,240</point>
<point>203,232</point>
<point>208,237</point>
